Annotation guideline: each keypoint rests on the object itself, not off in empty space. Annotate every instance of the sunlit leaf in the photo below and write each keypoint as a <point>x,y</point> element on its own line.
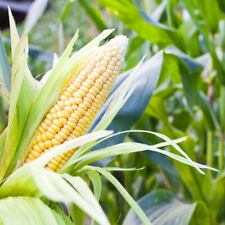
<point>26,211</point>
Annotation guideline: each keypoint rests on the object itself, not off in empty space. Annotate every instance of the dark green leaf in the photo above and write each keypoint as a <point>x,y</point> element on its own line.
<point>181,120</point>
<point>189,70</point>
<point>146,28</point>
<point>210,11</point>
<point>217,203</point>
<point>201,215</point>
<point>94,14</point>
<point>207,109</point>
<point>163,209</point>
<point>210,45</point>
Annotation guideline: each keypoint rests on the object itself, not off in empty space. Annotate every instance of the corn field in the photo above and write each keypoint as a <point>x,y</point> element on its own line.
<point>112,112</point>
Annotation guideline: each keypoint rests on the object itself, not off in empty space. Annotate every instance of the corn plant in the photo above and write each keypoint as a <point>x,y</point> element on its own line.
<point>45,150</point>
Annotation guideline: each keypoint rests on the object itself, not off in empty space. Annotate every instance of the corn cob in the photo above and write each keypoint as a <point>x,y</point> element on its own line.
<point>79,102</point>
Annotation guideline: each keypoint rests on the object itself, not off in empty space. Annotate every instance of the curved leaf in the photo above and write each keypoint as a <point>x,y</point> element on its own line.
<point>162,209</point>
<point>34,181</point>
<point>189,71</point>
<point>155,157</point>
<point>146,28</point>
<point>217,196</point>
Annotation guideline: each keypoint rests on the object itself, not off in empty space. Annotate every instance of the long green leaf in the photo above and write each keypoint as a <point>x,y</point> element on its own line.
<point>3,137</point>
<point>94,14</point>
<point>137,20</point>
<point>130,147</point>
<point>13,32</point>
<point>123,192</point>
<point>22,93</point>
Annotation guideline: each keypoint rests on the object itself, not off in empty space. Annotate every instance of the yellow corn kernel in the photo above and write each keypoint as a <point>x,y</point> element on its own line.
<point>55,142</point>
<point>48,144</point>
<point>79,102</point>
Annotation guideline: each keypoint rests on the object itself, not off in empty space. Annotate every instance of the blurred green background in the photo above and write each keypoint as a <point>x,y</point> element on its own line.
<point>189,99</point>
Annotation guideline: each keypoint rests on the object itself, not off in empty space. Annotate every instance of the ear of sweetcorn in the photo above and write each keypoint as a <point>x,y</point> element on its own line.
<point>79,101</point>
<point>31,100</point>
<point>25,114</point>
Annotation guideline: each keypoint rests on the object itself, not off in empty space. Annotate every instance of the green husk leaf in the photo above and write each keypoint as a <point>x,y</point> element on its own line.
<point>31,180</point>
<point>20,183</point>
<point>21,98</point>
<point>85,148</point>
<point>2,142</point>
<point>26,211</point>
<point>130,147</point>
<point>13,32</point>
<point>85,192</point>
<point>56,188</point>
